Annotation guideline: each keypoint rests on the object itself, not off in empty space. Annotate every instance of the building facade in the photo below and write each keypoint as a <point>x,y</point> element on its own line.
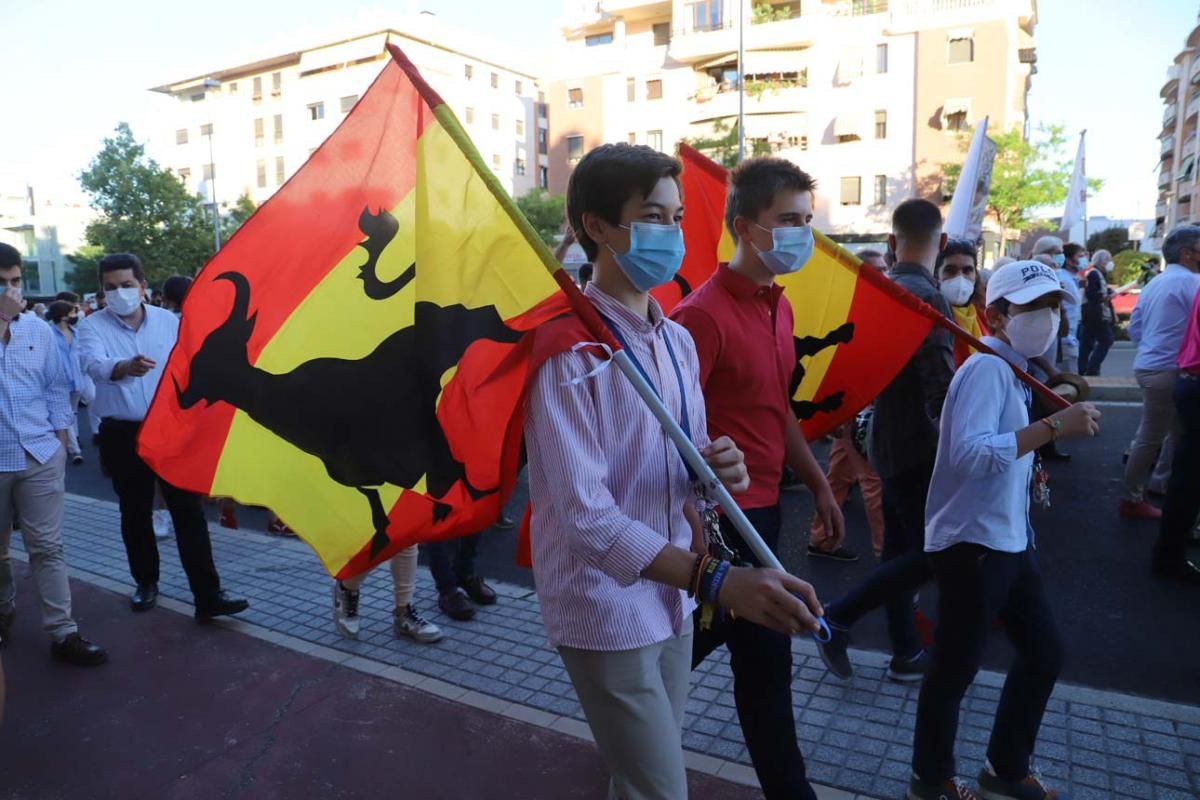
<point>44,232</point>
<point>1178,199</point>
<point>871,97</point>
<point>246,129</point>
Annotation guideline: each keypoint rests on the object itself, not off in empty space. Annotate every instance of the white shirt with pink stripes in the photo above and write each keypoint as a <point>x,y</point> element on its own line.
<point>608,487</point>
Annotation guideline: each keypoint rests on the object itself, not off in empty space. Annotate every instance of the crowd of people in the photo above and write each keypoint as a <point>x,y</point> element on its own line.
<point>639,575</point>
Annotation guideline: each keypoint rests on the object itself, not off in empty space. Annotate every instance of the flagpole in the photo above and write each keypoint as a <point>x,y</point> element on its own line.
<point>741,84</point>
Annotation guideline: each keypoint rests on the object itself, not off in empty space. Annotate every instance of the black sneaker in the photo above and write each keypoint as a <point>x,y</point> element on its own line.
<point>222,606</point>
<point>455,605</point>
<point>834,654</point>
<point>908,670</point>
<point>952,789</point>
<point>992,787</point>
<point>840,554</point>
<point>78,651</point>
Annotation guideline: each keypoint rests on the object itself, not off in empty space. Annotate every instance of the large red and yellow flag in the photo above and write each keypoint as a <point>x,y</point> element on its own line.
<point>854,328</point>
<point>355,356</point>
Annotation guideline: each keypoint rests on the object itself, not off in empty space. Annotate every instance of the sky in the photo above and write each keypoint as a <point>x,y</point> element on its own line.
<point>70,70</point>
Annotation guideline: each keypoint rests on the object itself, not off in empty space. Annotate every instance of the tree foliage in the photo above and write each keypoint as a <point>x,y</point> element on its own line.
<point>83,278</point>
<point>1027,175</point>
<point>1127,266</point>
<point>144,209</point>
<point>544,212</point>
<point>1114,240</point>
<point>236,216</point>
<point>722,146</point>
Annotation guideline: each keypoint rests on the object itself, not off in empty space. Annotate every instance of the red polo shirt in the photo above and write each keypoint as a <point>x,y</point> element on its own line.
<point>743,335</point>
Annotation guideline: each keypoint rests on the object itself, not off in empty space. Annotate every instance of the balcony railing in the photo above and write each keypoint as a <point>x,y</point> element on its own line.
<point>1192,107</point>
<point>1194,75</point>
<point>1167,146</point>
<point>1164,177</point>
<point>1169,113</point>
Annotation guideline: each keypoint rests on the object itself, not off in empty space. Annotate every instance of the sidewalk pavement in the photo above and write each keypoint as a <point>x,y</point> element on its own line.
<point>856,736</point>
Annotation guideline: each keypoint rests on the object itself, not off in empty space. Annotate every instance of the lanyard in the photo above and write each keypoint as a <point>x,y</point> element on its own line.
<point>683,406</point>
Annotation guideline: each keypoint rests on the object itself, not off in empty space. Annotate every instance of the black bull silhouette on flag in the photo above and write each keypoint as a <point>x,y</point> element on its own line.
<point>370,421</point>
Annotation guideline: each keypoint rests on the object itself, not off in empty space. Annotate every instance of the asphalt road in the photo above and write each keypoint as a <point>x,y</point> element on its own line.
<point>1122,629</point>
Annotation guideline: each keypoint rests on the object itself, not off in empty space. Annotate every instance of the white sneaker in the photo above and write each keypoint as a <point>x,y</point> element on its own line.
<point>164,528</point>
<point>345,610</point>
<point>410,623</point>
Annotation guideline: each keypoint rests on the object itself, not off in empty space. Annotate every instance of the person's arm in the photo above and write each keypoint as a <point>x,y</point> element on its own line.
<point>58,389</point>
<point>1094,287</point>
<point>798,455</point>
<point>934,361</point>
<point>1136,320</point>
<point>94,358</point>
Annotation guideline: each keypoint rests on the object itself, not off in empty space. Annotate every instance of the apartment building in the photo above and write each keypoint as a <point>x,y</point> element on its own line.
<point>870,96</point>
<point>251,126</point>
<point>1177,187</point>
<point>44,232</point>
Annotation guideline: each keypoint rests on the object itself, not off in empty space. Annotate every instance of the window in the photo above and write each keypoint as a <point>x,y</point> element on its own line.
<point>707,15</point>
<point>495,161</point>
<point>575,98</point>
<point>574,149</point>
<point>520,166</point>
<point>542,97</point>
<point>598,39</point>
<point>233,87</point>
<point>632,137</point>
<point>520,127</point>
<point>654,89</point>
<point>181,136</point>
<point>956,120</point>
<point>469,115</point>
<point>279,129</point>
<point>881,58</point>
<point>257,89</point>
<point>630,90</point>
<point>206,129</point>
<point>543,142</point>
<point>347,103</point>
<point>184,174</point>
<point>258,132</point>
<point>654,140</point>
<point>495,122</point>
<point>800,142</point>
<point>517,87</point>
<point>495,80</point>
<point>880,124</point>
<point>961,50</point>
<point>262,174</point>
<point>468,71</point>
<point>207,173</point>
<point>880,190</point>
<point>851,191</point>
<point>316,111</point>
<point>662,33</point>
<point>543,110</point>
<point>276,83</point>
<point>279,170</point>
<point>543,178</point>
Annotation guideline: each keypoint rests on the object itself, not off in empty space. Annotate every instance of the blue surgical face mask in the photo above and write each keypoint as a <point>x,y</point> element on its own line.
<point>1059,259</point>
<point>793,247</point>
<point>654,255</point>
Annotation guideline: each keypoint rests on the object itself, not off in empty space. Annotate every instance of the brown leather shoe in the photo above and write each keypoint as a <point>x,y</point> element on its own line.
<point>455,605</point>
<point>480,593</point>
<point>78,651</point>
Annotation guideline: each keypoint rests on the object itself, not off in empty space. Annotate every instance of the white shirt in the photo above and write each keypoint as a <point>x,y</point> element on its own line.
<point>1070,282</point>
<point>1161,316</point>
<point>105,340</point>
<point>980,488</point>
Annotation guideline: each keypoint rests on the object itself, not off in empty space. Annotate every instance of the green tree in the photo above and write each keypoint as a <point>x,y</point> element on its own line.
<point>722,146</point>
<point>1027,175</point>
<point>83,277</point>
<point>1127,266</point>
<point>544,212</point>
<point>1114,240</point>
<point>236,216</point>
<point>145,209</point>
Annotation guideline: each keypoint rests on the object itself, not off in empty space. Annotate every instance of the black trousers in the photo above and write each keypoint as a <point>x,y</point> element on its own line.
<point>975,584</point>
<point>452,561</point>
<point>762,679</point>
<point>134,483</point>
<point>1183,489</point>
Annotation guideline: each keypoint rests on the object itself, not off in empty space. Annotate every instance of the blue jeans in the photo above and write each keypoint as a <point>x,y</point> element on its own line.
<point>904,569</point>
<point>1095,339</point>
<point>452,561</point>
<point>762,679</point>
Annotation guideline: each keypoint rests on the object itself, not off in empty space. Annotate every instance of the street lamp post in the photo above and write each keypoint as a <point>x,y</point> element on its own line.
<point>212,83</point>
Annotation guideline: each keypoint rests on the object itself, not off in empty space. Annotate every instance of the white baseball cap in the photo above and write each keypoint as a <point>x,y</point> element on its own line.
<point>1023,282</point>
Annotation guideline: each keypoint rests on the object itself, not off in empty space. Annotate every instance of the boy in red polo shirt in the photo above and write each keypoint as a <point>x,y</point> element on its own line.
<point>742,327</point>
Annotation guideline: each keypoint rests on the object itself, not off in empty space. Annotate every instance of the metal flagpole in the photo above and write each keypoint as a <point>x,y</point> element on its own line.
<point>741,84</point>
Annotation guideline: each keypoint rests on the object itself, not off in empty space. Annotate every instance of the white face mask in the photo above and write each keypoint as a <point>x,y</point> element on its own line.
<point>1032,333</point>
<point>1108,267</point>
<point>124,301</point>
<point>958,290</point>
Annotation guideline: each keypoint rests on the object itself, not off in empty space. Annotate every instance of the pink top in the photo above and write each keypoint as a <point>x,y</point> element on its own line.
<point>1189,353</point>
<point>608,487</point>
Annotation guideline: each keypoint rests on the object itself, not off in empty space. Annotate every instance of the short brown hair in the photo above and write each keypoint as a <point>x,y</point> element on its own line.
<point>917,220</point>
<point>754,183</point>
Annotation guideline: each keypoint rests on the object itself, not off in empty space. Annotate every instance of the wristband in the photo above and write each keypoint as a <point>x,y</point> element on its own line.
<point>1055,426</point>
<point>695,576</point>
<point>714,589</point>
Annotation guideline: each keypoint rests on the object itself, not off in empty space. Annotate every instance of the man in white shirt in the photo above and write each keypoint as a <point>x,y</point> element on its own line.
<point>1157,326</point>
<point>124,349</point>
<point>981,545</point>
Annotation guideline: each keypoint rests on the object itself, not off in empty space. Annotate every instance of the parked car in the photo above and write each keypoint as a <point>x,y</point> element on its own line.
<point>1125,298</point>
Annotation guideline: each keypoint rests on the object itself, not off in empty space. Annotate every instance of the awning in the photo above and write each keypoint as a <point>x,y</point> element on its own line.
<point>720,61</point>
<point>848,125</point>
<point>776,126</point>
<point>957,105</point>
<point>770,62</point>
<point>1185,171</point>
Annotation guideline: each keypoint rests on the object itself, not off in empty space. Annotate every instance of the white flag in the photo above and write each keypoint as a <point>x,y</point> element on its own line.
<point>964,220</point>
<point>1076,209</point>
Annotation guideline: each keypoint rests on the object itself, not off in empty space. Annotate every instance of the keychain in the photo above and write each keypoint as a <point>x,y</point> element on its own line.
<point>1039,487</point>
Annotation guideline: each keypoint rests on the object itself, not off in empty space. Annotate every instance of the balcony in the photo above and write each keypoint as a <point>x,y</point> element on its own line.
<point>1189,146</point>
<point>584,13</point>
<point>1170,88</point>
<point>1167,146</point>
<point>1194,75</point>
<point>1193,106</point>
<point>722,105</point>
<point>1164,177</point>
<point>708,28</point>
<point>1169,114</point>
<point>1161,209</point>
